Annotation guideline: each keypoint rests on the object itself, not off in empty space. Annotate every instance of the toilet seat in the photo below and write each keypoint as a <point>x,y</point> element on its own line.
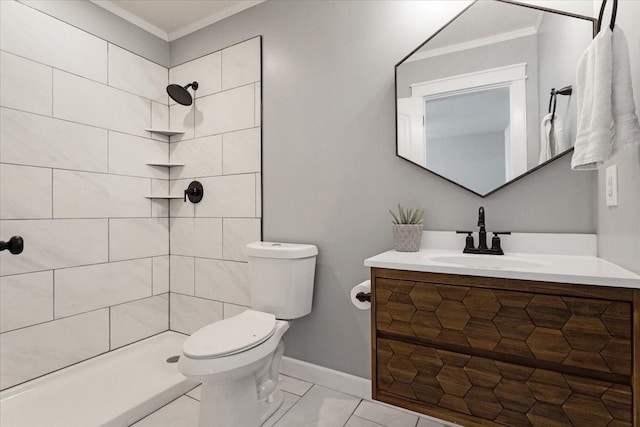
<point>230,336</point>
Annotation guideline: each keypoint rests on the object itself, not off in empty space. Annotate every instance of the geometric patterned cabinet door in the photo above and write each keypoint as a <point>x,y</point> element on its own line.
<point>485,351</point>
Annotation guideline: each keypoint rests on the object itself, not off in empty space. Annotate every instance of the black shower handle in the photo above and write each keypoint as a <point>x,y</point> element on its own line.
<point>15,245</point>
<point>194,192</point>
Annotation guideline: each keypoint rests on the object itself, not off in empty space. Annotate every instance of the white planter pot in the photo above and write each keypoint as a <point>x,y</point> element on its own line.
<point>407,237</point>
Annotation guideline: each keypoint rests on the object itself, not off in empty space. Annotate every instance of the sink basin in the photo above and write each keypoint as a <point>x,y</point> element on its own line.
<point>486,261</point>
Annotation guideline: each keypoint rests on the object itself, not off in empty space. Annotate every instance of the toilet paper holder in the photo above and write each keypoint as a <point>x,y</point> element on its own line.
<point>363,296</point>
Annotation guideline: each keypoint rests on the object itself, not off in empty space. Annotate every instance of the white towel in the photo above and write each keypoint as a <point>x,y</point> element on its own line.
<point>593,91</point>
<point>625,121</point>
<point>553,141</point>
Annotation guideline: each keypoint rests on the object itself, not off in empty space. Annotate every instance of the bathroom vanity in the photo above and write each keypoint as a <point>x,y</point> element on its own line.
<point>520,340</point>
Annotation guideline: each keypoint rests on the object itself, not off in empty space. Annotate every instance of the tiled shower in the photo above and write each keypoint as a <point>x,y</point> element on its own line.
<point>104,265</point>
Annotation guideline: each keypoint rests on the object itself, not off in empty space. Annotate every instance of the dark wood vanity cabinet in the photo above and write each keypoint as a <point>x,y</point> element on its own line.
<point>483,351</point>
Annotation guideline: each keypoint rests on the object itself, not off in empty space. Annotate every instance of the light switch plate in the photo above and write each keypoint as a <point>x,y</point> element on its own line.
<point>611,185</point>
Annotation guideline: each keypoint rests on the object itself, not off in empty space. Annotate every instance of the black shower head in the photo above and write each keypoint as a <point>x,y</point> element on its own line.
<point>180,94</point>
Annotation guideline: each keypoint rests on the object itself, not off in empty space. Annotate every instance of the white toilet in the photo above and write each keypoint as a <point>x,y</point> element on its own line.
<point>238,359</point>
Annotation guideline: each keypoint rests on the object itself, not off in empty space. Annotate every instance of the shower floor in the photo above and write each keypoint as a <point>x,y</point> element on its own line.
<point>114,389</point>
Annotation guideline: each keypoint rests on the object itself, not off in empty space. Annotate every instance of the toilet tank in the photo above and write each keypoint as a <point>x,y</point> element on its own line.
<point>281,277</point>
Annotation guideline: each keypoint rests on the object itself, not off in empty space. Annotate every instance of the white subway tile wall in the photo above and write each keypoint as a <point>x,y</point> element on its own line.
<point>205,70</point>
<point>139,319</point>
<point>222,150</point>
<point>83,289</point>
<point>103,266</point>
<point>188,314</point>
<point>37,350</point>
<point>31,34</point>
<point>94,274</point>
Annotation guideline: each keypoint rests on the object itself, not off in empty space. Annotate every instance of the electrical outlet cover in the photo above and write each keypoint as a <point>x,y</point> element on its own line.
<point>611,185</point>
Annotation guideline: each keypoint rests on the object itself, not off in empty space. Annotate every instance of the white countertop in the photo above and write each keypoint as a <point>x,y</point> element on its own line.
<point>583,269</point>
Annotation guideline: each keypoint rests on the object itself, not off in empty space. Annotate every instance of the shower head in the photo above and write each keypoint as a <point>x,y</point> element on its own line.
<point>180,94</point>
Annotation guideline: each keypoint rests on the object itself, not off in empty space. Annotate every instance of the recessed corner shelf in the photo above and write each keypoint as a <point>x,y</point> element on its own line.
<point>167,132</point>
<point>165,164</point>
<point>162,196</point>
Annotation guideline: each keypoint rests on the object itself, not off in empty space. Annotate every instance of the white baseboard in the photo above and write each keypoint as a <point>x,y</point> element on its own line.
<point>325,377</point>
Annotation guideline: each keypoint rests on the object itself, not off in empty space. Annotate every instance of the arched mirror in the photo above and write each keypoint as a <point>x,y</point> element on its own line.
<point>488,98</point>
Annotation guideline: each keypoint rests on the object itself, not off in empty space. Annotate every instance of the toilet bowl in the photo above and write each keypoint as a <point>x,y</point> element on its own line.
<point>240,376</point>
<point>238,359</point>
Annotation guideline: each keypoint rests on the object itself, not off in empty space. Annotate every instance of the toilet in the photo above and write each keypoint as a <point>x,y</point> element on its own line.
<point>238,359</point>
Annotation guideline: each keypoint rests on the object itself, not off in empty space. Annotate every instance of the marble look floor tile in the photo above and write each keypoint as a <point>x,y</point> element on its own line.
<point>293,385</point>
<point>385,415</point>
<point>289,400</point>
<point>182,412</point>
<point>196,393</point>
<point>361,422</point>
<point>425,422</point>
<point>320,407</point>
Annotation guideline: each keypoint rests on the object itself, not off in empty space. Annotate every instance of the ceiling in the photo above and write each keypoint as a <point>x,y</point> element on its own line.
<point>172,19</point>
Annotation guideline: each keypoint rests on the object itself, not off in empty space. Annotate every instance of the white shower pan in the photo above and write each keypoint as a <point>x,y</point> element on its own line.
<point>114,389</point>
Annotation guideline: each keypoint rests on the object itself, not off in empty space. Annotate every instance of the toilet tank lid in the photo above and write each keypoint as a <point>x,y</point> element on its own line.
<point>280,250</point>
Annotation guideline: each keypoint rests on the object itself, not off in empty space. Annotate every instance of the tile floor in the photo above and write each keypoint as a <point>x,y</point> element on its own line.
<point>305,404</point>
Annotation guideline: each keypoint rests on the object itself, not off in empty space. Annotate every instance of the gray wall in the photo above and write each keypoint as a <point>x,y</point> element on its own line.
<point>619,227</point>
<point>329,167</point>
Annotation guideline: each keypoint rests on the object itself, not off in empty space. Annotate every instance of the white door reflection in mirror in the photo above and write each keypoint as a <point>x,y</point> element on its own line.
<point>470,128</point>
<point>499,45</point>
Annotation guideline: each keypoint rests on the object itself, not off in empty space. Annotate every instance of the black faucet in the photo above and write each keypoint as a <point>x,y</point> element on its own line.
<point>482,234</point>
<point>482,248</point>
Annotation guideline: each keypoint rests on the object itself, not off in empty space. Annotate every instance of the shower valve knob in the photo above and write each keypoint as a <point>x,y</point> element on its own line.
<point>194,192</point>
<point>15,245</point>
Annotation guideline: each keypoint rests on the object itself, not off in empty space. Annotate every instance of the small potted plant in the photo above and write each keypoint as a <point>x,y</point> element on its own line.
<point>407,229</point>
